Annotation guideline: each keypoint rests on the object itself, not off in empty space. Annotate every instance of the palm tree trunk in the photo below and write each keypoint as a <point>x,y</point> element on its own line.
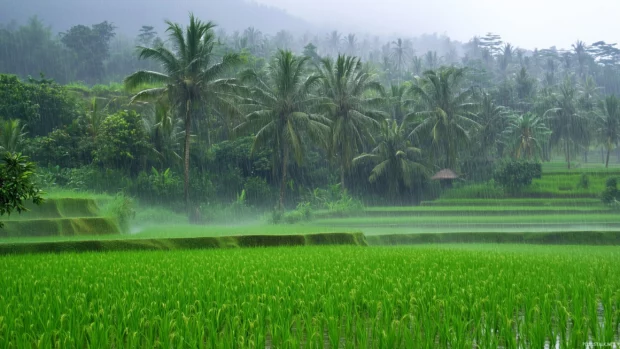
<point>283,182</point>
<point>342,179</point>
<point>568,154</point>
<point>188,124</point>
<point>607,160</point>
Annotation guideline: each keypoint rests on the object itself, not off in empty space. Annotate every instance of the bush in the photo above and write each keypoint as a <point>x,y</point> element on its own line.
<point>345,205</point>
<point>584,181</point>
<point>157,186</point>
<point>276,216</point>
<point>258,192</point>
<point>302,213</point>
<point>611,194</point>
<point>515,175</point>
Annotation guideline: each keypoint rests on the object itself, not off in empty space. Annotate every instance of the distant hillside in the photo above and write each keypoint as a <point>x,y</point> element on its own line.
<point>130,15</point>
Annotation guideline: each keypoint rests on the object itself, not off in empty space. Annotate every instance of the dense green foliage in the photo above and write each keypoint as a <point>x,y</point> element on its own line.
<point>314,297</point>
<point>514,174</point>
<point>204,116</point>
<point>17,184</point>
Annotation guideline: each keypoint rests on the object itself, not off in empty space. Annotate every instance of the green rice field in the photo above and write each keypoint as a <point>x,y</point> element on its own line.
<point>450,296</point>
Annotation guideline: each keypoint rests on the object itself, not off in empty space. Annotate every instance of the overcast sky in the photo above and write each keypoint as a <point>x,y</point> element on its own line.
<point>524,23</point>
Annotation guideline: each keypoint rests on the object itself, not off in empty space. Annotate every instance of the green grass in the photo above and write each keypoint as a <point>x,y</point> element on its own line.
<point>515,202</point>
<point>494,208</point>
<point>469,219</point>
<point>351,297</point>
<point>581,167</point>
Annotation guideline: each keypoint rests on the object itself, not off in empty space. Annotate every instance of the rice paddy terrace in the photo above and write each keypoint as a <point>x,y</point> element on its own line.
<point>58,217</point>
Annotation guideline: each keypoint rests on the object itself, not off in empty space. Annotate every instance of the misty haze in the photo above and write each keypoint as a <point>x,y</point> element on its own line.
<point>309,174</point>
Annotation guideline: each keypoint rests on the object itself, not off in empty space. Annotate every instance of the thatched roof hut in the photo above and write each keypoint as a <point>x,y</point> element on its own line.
<point>445,176</point>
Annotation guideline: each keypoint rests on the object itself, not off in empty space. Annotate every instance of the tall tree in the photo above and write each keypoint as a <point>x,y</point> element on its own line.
<point>147,35</point>
<point>396,159</point>
<point>567,123</point>
<point>279,105</point>
<point>399,102</point>
<point>608,124</point>
<point>580,50</point>
<point>91,46</point>
<point>399,54</point>
<point>344,88</point>
<point>447,123</point>
<point>351,44</point>
<point>192,78</point>
<point>525,134</point>
<point>492,119</point>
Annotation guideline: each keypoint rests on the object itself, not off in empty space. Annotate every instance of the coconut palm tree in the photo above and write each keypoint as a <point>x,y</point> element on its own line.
<point>431,60</point>
<point>96,115</point>
<point>580,50</point>
<point>192,78</point>
<point>12,134</point>
<point>399,104</point>
<point>344,87</point>
<point>395,158</point>
<point>166,131</point>
<point>447,123</point>
<point>608,124</point>
<point>416,65</point>
<point>333,42</point>
<point>351,44</point>
<point>492,119</point>
<point>278,107</point>
<point>567,122</point>
<point>525,134</point>
<point>400,52</point>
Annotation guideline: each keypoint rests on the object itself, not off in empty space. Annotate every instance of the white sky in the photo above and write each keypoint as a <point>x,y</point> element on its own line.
<point>524,23</point>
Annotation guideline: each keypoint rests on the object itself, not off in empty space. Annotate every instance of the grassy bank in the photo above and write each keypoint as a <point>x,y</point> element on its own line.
<point>183,243</point>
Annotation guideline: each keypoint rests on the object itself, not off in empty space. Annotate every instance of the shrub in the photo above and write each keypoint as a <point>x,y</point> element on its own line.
<point>515,175</point>
<point>584,181</point>
<point>610,194</point>
<point>276,216</point>
<point>258,192</point>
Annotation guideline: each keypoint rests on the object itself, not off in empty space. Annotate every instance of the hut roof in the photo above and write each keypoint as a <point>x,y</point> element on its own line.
<point>445,174</point>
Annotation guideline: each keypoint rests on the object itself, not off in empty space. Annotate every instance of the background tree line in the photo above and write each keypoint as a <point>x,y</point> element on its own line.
<point>199,115</point>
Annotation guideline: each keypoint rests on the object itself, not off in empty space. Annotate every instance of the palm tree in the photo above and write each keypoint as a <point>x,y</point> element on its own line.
<point>191,79</point>
<point>12,134</point>
<point>395,158</point>
<point>581,52</point>
<point>333,41</point>
<point>568,124</point>
<point>351,44</point>
<point>431,60</point>
<point>96,115</point>
<point>279,105</point>
<point>447,120</point>
<point>400,53</point>
<point>506,57</point>
<point>398,104</point>
<point>344,86</point>
<point>166,131</point>
<point>608,124</point>
<point>525,134</point>
<point>417,64</point>
<point>492,119</point>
